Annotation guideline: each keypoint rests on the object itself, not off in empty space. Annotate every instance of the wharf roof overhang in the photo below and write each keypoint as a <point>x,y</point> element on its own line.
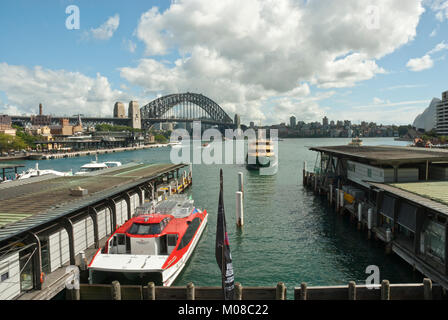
<point>30,203</point>
<point>431,194</point>
<point>385,155</point>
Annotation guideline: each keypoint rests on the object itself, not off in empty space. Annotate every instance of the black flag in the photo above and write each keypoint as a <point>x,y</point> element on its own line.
<point>222,249</point>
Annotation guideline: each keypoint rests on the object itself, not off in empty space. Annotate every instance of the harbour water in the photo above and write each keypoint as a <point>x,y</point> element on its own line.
<point>289,234</point>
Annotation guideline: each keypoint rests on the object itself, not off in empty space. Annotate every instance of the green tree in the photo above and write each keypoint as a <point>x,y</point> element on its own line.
<point>160,138</point>
<point>8,142</point>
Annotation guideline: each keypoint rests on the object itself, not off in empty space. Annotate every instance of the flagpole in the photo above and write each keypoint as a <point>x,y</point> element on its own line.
<point>223,273</point>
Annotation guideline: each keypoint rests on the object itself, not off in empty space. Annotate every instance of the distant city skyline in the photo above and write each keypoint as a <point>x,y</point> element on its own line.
<point>262,60</point>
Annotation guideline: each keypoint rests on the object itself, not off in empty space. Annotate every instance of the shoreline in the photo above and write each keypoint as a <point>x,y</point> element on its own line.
<point>49,156</point>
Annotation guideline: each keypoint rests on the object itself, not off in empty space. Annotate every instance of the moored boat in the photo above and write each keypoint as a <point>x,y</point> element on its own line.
<point>154,245</point>
<point>95,166</point>
<point>261,156</point>
<point>36,172</point>
<point>357,142</point>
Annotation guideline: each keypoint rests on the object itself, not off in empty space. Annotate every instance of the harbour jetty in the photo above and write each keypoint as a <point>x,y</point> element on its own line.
<point>397,194</point>
<point>48,223</point>
<point>60,155</point>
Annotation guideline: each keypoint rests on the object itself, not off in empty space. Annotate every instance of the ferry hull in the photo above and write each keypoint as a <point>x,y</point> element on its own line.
<point>160,277</point>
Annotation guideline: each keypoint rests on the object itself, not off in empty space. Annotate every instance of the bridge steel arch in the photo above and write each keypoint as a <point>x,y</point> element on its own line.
<point>158,107</point>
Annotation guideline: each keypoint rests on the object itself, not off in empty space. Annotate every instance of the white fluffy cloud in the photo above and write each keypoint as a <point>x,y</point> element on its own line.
<point>60,92</point>
<point>426,62</point>
<point>420,64</point>
<point>241,53</point>
<point>107,29</point>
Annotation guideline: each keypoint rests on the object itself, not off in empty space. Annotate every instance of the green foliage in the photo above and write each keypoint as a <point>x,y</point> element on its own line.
<point>8,142</point>
<point>403,130</point>
<point>160,138</point>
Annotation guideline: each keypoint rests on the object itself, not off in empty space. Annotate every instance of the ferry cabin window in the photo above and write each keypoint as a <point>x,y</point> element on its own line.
<point>145,228</point>
<point>189,234</point>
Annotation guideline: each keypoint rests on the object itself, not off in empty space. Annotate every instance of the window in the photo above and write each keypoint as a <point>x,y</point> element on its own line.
<point>435,240</point>
<point>172,240</point>
<point>4,276</point>
<point>145,228</point>
<point>189,234</point>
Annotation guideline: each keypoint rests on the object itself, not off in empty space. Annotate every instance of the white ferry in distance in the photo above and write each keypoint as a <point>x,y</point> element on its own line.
<point>153,246</point>
<point>95,166</point>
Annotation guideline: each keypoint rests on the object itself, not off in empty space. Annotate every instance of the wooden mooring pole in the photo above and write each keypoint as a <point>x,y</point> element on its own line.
<point>239,209</point>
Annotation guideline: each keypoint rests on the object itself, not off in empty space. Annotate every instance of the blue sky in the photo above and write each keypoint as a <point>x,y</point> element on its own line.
<point>265,61</point>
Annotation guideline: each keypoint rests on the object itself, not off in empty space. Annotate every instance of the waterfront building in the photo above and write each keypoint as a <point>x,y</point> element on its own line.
<point>119,110</point>
<point>442,115</point>
<point>325,121</point>
<point>405,192</point>
<point>64,129</point>
<point>40,119</point>
<point>134,115</point>
<point>292,122</point>
<point>5,125</point>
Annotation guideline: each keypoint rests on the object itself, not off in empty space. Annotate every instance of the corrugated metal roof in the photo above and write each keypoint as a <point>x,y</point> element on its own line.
<point>434,190</point>
<point>431,194</point>
<point>386,154</point>
<point>42,201</point>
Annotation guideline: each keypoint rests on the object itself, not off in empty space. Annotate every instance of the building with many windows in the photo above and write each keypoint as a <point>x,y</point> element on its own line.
<point>442,115</point>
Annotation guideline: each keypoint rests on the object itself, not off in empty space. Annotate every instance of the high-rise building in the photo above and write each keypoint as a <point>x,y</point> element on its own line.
<point>442,115</point>
<point>292,122</point>
<point>325,121</point>
<point>134,115</point>
<point>252,125</point>
<point>119,111</point>
<point>237,121</point>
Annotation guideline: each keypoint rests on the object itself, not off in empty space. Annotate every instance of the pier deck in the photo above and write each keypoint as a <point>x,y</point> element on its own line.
<point>47,223</point>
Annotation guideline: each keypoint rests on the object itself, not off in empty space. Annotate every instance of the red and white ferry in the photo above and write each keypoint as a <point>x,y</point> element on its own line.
<point>154,245</point>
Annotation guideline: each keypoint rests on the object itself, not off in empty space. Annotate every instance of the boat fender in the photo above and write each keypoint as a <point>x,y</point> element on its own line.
<point>42,277</point>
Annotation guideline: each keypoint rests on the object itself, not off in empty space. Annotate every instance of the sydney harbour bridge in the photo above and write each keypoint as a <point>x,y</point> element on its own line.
<point>180,108</point>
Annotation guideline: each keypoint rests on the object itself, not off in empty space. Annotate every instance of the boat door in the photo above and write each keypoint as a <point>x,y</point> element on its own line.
<point>117,244</point>
<point>171,242</point>
<point>112,245</point>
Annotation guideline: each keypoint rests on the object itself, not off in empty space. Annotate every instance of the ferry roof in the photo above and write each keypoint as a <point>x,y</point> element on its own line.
<point>385,154</point>
<point>431,194</point>
<point>29,203</point>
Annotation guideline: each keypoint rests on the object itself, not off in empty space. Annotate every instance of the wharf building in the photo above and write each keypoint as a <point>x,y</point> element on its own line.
<point>5,125</point>
<point>399,194</point>
<point>40,119</point>
<point>48,223</point>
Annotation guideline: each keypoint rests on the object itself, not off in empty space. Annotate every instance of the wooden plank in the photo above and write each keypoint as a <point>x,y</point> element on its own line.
<point>259,293</point>
<point>209,293</point>
<point>406,292</point>
<point>327,293</point>
<point>171,293</point>
<point>129,292</point>
<point>95,292</point>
